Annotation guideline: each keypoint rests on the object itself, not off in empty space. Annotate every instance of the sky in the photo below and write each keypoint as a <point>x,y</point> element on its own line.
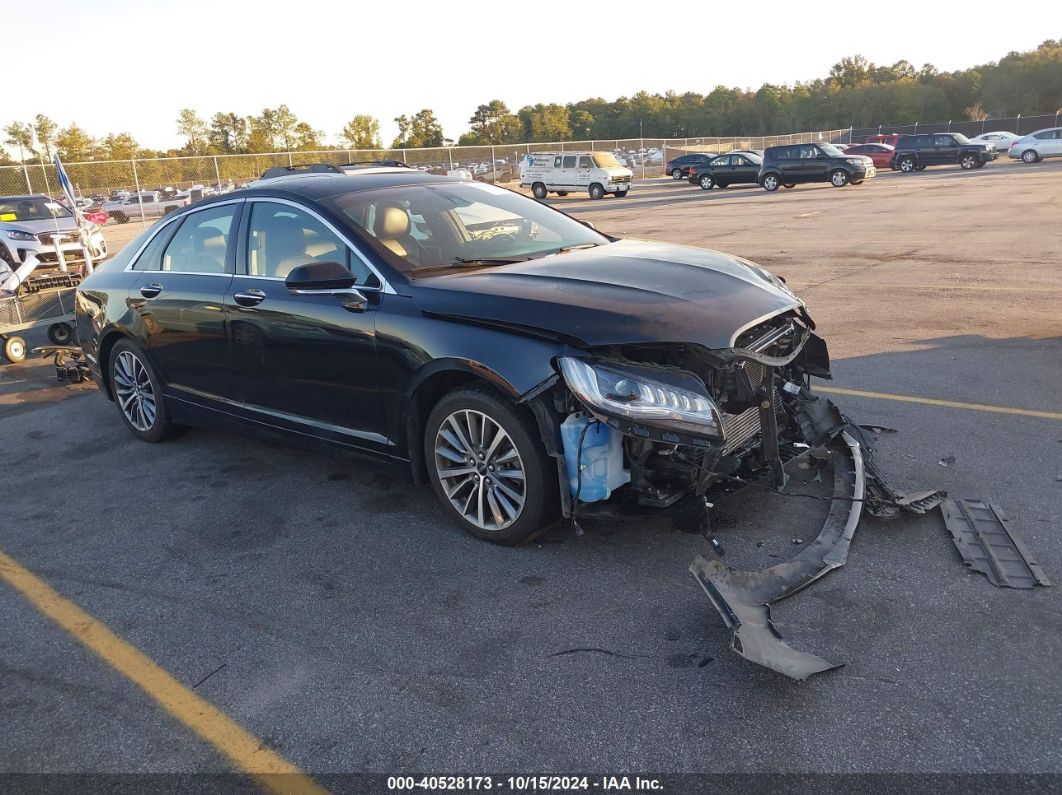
<point>133,64</point>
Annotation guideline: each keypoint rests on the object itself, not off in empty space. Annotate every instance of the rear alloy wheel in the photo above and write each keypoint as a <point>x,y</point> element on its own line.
<point>676,173</point>
<point>770,183</point>
<point>488,467</point>
<point>15,349</point>
<point>538,190</point>
<point>1030,156</point>
<point>596,191</point>
<point>706,182</point>
<point>138,393</point>
<point>968,162</point>
<point>839,178</point>
<point>906,164</point>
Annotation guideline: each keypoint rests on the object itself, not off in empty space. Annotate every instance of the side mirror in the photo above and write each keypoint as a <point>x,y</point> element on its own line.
<point>329,278</point>
<point>319,276</point>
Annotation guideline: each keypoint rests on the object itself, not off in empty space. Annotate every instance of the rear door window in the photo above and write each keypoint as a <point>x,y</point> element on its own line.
<point>203,242</point>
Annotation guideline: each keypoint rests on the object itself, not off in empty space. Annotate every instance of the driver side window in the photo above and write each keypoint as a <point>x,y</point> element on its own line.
<point>281,237</point>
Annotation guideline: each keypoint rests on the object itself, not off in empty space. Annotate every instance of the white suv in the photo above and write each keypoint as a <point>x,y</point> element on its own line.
<point>29,226</point>
<point>1038,145</point>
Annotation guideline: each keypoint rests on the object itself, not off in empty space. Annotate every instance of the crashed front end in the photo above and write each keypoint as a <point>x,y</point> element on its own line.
<point>692,422</point>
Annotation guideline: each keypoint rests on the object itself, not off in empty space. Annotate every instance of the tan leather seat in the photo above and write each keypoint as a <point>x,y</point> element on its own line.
<point>285,248</point>
<point>391,228</point>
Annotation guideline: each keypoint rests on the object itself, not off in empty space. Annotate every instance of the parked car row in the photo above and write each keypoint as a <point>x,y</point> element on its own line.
<point>852,164</point>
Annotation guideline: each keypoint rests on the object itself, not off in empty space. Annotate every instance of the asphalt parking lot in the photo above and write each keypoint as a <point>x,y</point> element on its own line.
<point>332,613</point>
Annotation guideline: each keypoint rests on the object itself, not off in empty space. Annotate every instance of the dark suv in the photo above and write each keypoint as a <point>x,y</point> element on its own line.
<point>679,167</point>
<point>915,152</point>
<point>788,165</point>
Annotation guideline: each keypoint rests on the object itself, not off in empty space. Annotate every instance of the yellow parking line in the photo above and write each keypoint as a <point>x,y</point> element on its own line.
<point>951,404</point>
<point>247,752</point>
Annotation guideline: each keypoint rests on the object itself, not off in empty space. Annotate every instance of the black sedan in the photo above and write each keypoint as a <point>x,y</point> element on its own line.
<point>523,363</point>
<point>679,167</point>
<point>732,169</point>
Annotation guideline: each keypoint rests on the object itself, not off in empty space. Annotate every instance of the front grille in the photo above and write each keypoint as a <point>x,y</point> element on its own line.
<point>740,428</point>
<point>64,237</point>
<point>621,179</point>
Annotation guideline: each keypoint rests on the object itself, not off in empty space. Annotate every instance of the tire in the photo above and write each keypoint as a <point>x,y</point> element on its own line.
<point>770,183</point>
<point>596,191</point>
<point>60,333</point>
<point>120,217</point>
<point>968,162</point>
<point>921,168</point>
<point>1030,156</point>
<point>706,182</point>
<point>839,178</point>
<point>538,190</point>
<point>513,507</point>
<point>562,193</point>
<point>723,184</point>
<point>981,164</point>
<point>137,392</point>
<point>676,173</point>
<point>15,349</point>
<point>5,255</point>
<point>856,182</point>
<point>621,193</point>
<point>789,185</point>
<point>906,164</point>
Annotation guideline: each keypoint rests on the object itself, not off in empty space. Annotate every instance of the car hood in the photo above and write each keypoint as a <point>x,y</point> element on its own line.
<point>46,225</point>
<point>619,293</point>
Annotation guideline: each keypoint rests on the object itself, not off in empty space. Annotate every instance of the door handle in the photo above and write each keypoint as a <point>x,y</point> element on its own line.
<point>151,290</point>
<point>250,297</point>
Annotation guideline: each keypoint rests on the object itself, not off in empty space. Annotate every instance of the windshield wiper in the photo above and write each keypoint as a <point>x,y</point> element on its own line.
<point>470,262</point>
<point>577,246</point>
<point>488,260</point>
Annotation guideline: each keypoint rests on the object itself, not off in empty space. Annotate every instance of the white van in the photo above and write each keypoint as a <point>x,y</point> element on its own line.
<point>597,173</point>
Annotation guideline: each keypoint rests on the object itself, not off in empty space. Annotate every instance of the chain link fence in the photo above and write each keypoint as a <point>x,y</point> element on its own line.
<point>101,181</point>
<point>1019,125</point>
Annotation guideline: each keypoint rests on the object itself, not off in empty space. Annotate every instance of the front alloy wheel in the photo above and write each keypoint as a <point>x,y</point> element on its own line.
<point>488,467</point>
<point>480,470</point>
<point>839,178</point>
<point>968,162</point>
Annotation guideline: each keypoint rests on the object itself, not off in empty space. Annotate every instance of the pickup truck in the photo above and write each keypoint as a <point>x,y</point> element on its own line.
<point>151,202</point>
<point>915,152</point>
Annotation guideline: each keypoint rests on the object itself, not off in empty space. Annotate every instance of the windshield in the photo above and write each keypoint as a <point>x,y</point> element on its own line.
<point>831,150</point>
<point>606,160</point>
<point>961,139</point>
<point>32,208</point>
<point>453,225</point>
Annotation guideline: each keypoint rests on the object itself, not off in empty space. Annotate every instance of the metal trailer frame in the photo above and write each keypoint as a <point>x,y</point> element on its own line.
<point>43,302</point>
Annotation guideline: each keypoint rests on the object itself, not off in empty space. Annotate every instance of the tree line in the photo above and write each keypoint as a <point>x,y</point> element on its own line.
<point>856,93</point>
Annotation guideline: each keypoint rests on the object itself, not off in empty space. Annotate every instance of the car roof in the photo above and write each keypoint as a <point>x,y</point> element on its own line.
<point>321,185</point>
<point>24,197</point>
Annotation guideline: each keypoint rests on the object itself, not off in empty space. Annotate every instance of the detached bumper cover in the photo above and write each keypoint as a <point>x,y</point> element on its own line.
<point>743,598</point>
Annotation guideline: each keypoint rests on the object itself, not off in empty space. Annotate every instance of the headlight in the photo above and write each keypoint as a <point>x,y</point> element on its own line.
<point>14,234</point>
<point>855,161</point>
<point>640,399</point>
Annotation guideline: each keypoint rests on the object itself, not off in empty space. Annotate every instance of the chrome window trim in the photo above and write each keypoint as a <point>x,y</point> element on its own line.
<point>385,285</point>
<point>173,218</point>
